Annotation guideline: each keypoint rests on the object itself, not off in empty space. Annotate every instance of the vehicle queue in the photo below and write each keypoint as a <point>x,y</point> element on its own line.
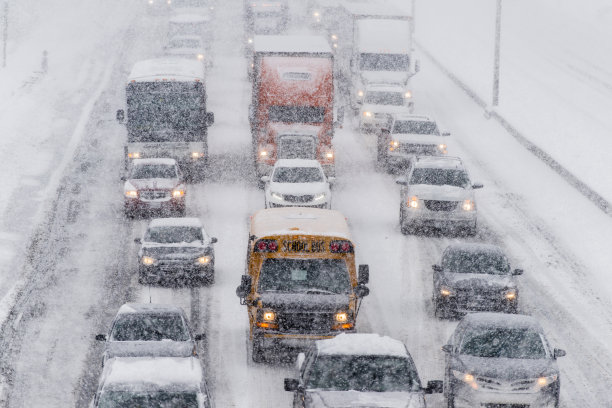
<point>301,287</point>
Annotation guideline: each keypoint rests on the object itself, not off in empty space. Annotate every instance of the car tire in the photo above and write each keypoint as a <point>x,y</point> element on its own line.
<point>257,351</point>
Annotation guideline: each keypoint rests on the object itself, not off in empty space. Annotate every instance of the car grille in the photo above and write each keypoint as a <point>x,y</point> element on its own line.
<point>435,205</point>
<point>298,198</point>
<point>305,322</point>
<point>506,405</point>
<point>423,149</point>
<point>494,384</point>
<point>154,194</point>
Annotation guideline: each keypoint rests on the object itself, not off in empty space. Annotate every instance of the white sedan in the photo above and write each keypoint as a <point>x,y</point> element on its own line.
<point>297,183</point>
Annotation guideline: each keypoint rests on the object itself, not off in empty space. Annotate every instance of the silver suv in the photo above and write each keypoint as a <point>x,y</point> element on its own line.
<point>437,193</point>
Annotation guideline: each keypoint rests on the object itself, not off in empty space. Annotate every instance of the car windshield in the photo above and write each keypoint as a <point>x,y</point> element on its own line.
<point>384,98</point>
<point>440,177</point>
<point>415,127</point>
<point>463,261</point>
<point>297,175</point>
<point>304,275</point>
<point>149,327</point>
<point>184,43</point>
<point>363,373</point>
<point>151,171</point>
<point>296,114</point>
<point>154,399</point>
<point>499,342</point>
<point>384,62</point>
<point>173,235</point>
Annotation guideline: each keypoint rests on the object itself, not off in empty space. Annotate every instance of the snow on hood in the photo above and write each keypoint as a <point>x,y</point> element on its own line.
<point>385,77</point>
<point>163,371</point>
<point>305,302</point>
<point>418,139</point>
<point>157,183</point>
<point>430,192</point>
<point>299,188</point>
<point>479,280</point>
<point>372,344</point>
<point>353,399</point>
<point>385,108</point>
<point>508,368</point>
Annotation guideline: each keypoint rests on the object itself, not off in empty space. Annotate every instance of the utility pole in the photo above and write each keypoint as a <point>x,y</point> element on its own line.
<point>496,58</point>
<point>4,33</point>
<point>412,28</point>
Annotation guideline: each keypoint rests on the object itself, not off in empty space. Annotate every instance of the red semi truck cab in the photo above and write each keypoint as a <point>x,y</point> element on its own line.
<point>292,107</point>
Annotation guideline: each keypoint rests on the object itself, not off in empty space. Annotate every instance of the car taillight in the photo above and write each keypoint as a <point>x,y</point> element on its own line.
<point>266,245</point>
<point>343,247</point>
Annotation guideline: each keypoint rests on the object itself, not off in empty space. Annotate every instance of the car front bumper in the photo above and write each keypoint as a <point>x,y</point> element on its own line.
<point>133,205</point>
<point>466,397</point>
<point>422,217</point>
<point>182,272</point>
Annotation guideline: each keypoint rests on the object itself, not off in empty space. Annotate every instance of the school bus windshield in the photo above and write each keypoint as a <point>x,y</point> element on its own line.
<point>314,276</point>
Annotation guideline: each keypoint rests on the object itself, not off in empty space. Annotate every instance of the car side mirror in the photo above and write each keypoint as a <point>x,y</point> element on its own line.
<point>401,181</point>
<point>100,337</point>
<point>214,240</point>
<point>434,387</point>
<point>292,384</point>
<point>209,118</point>
<point>447,348</point>
<point>299,361</point>
<point>331,180</point>
<point>245,286</point>
<point>120,115</point>
<point>477,186</point>
<point>138,240</point>
<point>437,268</point>
<point>200,337</point>
<point>517,272</point>
<point>123,178</point>
<point>364,275</point>
<point>559,353</point>
<point>265,179</point>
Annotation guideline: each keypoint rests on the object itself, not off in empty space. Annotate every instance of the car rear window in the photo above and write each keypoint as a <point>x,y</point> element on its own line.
<point>464,261</point>
<point>149,327</point>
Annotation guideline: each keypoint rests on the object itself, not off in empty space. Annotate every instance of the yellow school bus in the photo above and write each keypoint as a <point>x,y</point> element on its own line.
<point>301,283</point>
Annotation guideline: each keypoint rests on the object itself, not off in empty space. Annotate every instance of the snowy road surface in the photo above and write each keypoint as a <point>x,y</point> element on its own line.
<point>87,259</point>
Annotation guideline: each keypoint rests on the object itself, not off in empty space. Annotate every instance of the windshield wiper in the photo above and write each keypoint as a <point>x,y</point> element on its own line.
<point>314,291</point>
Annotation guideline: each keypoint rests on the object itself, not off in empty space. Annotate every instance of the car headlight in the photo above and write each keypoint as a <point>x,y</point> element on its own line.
<point>147,260</point>
<point>197,155</point>
<point>329,155</point>
<point>408,95</point>
<point>131,193</point>
<point>276,196</point>
<point>393,144</point>
<point>544,381</point>
<point>316,14</point>
<point>510,294</point>
<point>134,155</point>
<point>200,57</point>
<point>360,93</point>
<point>204,260</point>
<point>318,197</point>
<point>268,316</point>
<point>468,205</point>
<point>413,202</point>
<point>466,378</point>
<point>367,114</point>
<point>445,291</point>
<point>341,317</point>
<point>178,193</point>
<point>442,148</point>
<point>334,37</point>
<point>250,41</point>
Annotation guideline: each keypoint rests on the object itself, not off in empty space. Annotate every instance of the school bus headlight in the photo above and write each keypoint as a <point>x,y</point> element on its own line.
<point>268,316</point>
<point>413,202</point>
<point>204,260</point>
<point>178,193</point>
<point>468,205</point>
<point>200,57</point>
<point>147,260</point>
<point>134,155</point>
<point>341,317</point>
<point>131,194</point>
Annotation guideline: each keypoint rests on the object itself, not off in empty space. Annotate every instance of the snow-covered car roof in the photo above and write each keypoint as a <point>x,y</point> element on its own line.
<point>439,162</point>
<point>169,69</point>
<point>176,222</point>
<point>186,37</point>
<point>299,221</point>
<point>407,116</point>
<point>297,163</point>
<point>144,162</point>
<point>475,247</point>
<point>384,36</point>
<point>138,308</point>
<point>189,18</point>
<point>491,320</point>
<point>361,344</point>
<point>134,373</point>
<point>381,87</point>
<point>267,6</point>
<point>305,44</point>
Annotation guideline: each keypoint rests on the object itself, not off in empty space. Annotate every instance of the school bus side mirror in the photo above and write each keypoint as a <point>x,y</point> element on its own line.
<point>364,274</point>
<point>362,290</point>
<point>245,286</point>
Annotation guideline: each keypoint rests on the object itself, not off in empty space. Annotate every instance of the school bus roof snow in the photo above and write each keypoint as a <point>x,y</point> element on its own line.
<point>299,221</point>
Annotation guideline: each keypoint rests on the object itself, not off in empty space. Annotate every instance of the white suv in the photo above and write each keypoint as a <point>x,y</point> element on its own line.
<point>437,192</point>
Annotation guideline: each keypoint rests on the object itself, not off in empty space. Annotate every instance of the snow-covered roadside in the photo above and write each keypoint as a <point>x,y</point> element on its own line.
<point>43,123</point>
<point>556,86</point>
